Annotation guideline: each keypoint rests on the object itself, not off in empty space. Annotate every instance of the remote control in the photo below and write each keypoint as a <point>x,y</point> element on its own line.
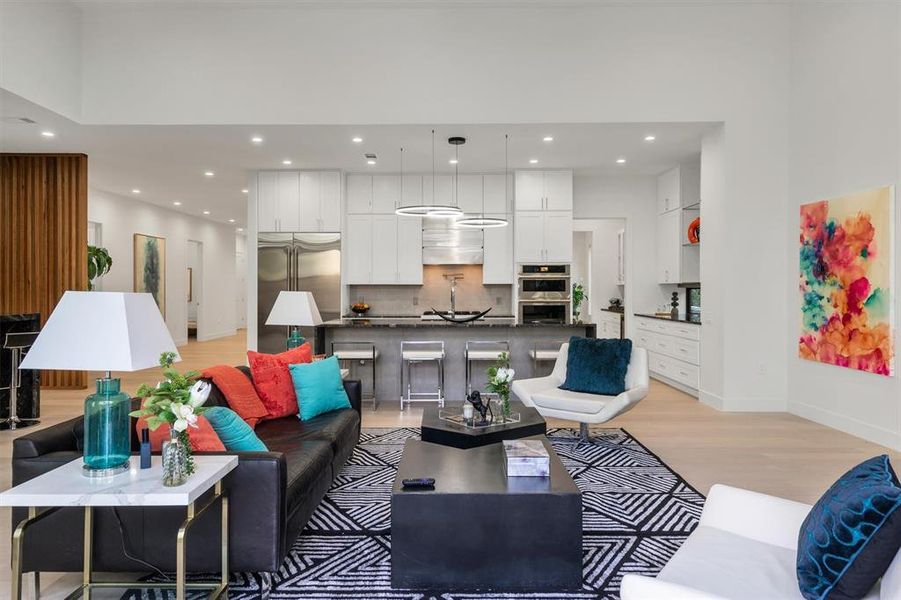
<point>422,482</point>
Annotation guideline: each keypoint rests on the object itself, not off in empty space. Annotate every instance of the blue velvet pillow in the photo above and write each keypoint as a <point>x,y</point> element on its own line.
<point>597,366</point>
<point>236,435</point>
<point>319,387</point>
<point>851,534</point>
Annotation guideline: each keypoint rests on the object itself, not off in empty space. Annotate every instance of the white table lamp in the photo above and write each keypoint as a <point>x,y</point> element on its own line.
<point>103,331</point>
<point>294,309</point>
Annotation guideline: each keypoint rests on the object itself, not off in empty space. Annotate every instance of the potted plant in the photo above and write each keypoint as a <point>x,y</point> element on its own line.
<point>99,264</point>
<point>500,376</point>
<point>578,297</point>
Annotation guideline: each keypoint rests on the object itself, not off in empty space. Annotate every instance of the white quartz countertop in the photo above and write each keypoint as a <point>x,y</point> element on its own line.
<point>67,486</point>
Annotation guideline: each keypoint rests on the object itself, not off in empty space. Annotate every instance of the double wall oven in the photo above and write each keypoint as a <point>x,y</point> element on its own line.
<point>544,294</point>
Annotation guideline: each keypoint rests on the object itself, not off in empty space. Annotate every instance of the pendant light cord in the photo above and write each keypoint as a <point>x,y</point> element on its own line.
<point>433,168</point>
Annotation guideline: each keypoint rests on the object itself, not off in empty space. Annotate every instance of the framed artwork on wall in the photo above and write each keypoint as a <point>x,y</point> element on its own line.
<point>150,268</point>
<point>847,281</point>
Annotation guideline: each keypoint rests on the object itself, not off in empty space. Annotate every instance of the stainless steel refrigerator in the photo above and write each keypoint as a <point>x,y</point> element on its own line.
<point>306,262</point>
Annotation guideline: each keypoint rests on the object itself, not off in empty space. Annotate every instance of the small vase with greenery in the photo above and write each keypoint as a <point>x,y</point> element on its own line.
<point>500,376</point>
<point>578,298</point>
<point>99,264</point>
<point>177,400</point>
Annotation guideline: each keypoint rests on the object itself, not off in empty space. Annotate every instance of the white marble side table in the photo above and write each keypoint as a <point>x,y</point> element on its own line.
<point>66,487</point>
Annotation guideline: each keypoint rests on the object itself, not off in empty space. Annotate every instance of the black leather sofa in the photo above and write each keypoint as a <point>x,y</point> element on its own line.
<point>272,495</point>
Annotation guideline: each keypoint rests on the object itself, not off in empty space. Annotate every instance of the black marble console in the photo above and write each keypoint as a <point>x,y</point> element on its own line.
<point>17,333</point>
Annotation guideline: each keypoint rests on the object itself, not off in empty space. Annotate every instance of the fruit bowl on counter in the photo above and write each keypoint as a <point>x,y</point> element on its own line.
<point>359,308</point>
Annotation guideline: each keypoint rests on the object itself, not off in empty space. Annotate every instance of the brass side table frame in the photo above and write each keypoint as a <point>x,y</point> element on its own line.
<point>217,589</point>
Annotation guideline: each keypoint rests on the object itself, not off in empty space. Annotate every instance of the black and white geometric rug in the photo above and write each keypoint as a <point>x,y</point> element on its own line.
<point>636,513</point>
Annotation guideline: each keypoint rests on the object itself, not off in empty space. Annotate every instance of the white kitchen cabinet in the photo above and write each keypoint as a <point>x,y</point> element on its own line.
<point>385,193</point>
<point>409,251</point>
<point>529,236</point>
<point>674,351</point>
<point>411,190</point>
<point>497,266</point>
<point>621,257</point>
<point>529,186</point>
<point>494,188</point>
<point>267,201</point>
<point>558,236</point>
<point>558,190</point>
<point>330,201</point>
<point>359,194</point>
<point>357,242</point>
<point>469,194</point>
<point>301,201</point>
<point>384,248</point>
<point>438,190</point>
<point>310,201</point>
<point>609,325</point>
<point>288,201</point>
<point>679,187</point>
<point>669,249</point>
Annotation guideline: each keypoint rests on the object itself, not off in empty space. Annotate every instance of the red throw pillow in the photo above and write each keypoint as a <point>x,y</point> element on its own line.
<point>239,393</point>
<point>272,379</point>
<point>203,438</point>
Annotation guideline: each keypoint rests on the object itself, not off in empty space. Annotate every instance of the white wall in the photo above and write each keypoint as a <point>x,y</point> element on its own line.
<point>193,257</point>
<point>122,217</point>
<point>601,234</point>
<point>846,137</point>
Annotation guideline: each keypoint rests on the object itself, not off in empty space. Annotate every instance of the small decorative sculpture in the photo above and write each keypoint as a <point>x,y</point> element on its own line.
<point>674,313</point>
<point>483,408</point>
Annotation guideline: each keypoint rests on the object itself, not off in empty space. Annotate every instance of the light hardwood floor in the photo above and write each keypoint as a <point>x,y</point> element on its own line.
<point>774,453</point>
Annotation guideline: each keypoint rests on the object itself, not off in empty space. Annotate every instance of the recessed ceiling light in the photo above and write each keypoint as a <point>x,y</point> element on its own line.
<point>244,191</point>
<point>620,161</point>
<point>547,138</point>
<point>357,140</point>
<point>533,161</point>
<point>231,220</point>
<point>135,191</point>
<point>453,161</point>
<point>256,139</point>
<point>177,203</point>
<point>286,161</point>
<point>48,134</point>
<point>370,162</point>
<point>208,173</point>
<point>650,138</point>
<point>206,212</point>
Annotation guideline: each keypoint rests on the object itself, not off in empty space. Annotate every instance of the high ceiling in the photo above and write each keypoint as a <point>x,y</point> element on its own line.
<point>168,163</point>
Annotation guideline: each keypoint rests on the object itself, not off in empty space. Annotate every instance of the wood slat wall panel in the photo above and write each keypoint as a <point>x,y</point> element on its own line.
<point>43,238</point>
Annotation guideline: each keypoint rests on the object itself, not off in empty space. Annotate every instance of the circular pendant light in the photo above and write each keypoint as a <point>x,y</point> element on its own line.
<point>426,210</point>
<point>481,221</point>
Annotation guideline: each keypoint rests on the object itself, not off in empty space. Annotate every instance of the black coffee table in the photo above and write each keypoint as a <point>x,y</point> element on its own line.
<point>440,431</point>
<point>480,530</point>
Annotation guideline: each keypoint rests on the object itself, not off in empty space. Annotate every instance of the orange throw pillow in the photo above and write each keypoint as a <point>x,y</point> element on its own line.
<point>239,393</point>
<point>272,379</point>
<point>203,438</point>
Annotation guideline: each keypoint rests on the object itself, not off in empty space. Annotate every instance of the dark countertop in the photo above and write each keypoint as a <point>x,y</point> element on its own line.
<point>398,322</point>
<point>616,312</point>
<point>691,320</point>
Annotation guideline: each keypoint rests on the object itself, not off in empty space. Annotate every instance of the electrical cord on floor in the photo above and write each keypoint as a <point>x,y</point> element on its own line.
<point>129,556</point>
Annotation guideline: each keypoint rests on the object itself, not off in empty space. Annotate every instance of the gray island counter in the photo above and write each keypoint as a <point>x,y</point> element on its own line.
<point>388,332</point>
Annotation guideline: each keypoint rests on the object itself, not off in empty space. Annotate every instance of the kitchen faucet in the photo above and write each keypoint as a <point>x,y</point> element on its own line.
<point>453,291</point>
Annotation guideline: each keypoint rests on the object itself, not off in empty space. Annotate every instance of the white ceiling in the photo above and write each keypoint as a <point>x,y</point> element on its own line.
<point>167,163</point>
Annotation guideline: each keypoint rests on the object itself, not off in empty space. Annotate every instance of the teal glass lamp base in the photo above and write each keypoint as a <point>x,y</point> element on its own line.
<point>107,427</point>
<point>295,340</point>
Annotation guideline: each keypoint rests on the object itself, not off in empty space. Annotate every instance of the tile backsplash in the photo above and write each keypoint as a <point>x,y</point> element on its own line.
<point>413,300</point>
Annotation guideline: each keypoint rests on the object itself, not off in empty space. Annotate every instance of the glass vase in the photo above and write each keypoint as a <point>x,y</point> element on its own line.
<point>106,429</point>
<point>175,461</point>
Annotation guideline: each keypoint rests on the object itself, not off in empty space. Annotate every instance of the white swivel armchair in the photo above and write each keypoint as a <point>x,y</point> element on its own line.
<point>744,548</point>
<point>545,395</point>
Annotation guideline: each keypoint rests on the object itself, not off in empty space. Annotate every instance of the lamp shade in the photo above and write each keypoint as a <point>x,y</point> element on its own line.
<point>101,331</point>
<point>294,308</point>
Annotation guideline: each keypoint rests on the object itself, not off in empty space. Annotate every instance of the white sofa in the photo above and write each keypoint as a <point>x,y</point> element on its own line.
<point>744,548</point>
<point>545,395</point>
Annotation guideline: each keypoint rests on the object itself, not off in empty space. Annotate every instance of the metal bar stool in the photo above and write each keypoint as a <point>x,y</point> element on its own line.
<point>361,351</point>
<point>482,351</point>
<point>544,351</point>
<point>413,352</point>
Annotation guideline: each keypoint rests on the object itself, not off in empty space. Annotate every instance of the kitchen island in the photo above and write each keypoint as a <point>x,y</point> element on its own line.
<point>388,332</point>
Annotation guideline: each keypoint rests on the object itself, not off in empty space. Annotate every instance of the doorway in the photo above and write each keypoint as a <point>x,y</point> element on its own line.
<point>194,287</point>
<point>600,265</point>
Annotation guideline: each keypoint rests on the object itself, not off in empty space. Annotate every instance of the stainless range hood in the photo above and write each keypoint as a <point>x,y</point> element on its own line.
<point>445,243</point>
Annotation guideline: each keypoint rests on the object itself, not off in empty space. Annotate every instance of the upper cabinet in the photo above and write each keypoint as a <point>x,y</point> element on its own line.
<point>469,193</point>
<point>302,201</point>
<point>383,249</point>
<point>438,190</point>
<point>679,187</point>
<point>543,216</point>
<point>497,265</point>
<point>494,189</point>
<point>544,190</point>
<point>359,194</point>
<point>385,193</point>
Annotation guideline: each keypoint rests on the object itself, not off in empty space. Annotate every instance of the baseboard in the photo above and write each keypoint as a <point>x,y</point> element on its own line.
<point>871,433</point>
<point>181,341</point>
<point>711,399</point>
<point>213,336</point>
<point>674,384</point>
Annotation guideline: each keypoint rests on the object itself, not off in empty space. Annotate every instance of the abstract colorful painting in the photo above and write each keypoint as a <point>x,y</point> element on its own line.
<point>846,281</point>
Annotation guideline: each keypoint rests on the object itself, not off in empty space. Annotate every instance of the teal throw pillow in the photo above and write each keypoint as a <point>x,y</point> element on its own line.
<point>236,435</point>
<point>597,366</point>
<point>319,387</point>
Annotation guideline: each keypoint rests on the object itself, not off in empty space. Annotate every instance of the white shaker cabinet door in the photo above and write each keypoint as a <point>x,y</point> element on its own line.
<point>385,193</point>
<point>267,201</point>
<point>330,201</point>
<point>529,236</point>
<point>558,236</point>
<point>358,250</point>
<point>558,190</point>
<point>310,190</point>
<point>288,201</point>
<point>529,189</point>
<point>384,248</point>
<point>409,250</point>
<point>359,194</point>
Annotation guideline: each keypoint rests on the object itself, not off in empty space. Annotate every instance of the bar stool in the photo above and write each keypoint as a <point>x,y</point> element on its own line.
<point>363,352</point>
<point>482,351</point>
<point>544,351</point>
<point>414,352</point>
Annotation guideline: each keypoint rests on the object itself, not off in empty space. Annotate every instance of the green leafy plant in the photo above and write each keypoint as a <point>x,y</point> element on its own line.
<point>177,400</point>
<point>500,376</point>
<point>578,297</point>
<point>99,263</point>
